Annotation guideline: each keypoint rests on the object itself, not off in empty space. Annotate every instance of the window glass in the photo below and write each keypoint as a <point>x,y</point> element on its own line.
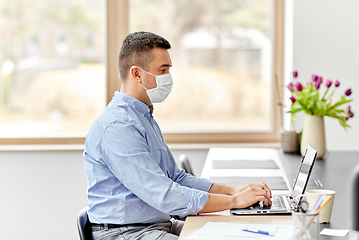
<point>222,62</point>
<point>52,72</point>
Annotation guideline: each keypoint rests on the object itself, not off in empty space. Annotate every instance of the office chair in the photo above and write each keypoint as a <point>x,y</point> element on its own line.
<point>83,225</point>
<point>185,164</point>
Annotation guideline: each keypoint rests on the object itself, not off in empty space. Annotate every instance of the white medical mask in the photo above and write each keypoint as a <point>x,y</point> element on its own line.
<point>163,89</point>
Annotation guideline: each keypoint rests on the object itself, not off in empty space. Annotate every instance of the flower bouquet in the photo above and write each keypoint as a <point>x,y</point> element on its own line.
<point>307,98</point>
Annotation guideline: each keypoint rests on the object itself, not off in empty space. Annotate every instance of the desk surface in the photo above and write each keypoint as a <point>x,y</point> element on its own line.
<point>194,223</point>
<point>333,172</point>
<point>222,155</point>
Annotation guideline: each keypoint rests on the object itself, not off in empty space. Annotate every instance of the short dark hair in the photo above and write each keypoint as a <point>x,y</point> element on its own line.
<point>136,50</point>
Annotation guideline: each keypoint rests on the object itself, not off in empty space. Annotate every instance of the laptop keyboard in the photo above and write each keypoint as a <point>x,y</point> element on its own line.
<point>277,202</point>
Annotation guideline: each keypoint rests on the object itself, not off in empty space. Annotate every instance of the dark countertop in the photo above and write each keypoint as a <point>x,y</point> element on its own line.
<point>334,172</point>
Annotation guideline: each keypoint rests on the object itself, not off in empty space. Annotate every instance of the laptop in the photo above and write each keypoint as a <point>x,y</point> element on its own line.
<point>285,204</point>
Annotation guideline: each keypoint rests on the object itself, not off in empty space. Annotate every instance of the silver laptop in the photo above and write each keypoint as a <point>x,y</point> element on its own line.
<point>285,204</point>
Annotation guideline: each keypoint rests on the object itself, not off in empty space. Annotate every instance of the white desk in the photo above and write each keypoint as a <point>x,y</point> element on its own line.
<point>254,154</point>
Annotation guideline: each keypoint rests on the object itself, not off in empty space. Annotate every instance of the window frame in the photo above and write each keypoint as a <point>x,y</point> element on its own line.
<point>117,28</point>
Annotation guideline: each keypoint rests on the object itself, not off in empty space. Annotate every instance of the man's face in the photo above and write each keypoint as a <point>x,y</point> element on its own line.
<point>160,65</point>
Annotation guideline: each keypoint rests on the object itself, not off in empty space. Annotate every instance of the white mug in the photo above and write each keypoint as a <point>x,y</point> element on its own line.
<point>312,196</point>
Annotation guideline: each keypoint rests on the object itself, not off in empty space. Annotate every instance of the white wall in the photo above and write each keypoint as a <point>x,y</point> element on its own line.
<point>41,194</point>
<point>323,39</point>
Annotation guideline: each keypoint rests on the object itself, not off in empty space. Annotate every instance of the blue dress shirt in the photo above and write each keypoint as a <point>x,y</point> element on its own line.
<point>132,176</point>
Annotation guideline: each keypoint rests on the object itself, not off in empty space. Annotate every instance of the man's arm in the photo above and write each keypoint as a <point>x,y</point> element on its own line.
<point>223,189</point>
<point>222,197</point>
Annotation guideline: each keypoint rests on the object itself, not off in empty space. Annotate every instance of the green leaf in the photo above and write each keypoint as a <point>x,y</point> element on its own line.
<point>322,108</point>
<point>314,95</point>
<point>304,105</point>
<point>295,110</point>
<point>339,111</point>
<point>344,123</point>
<point>341,102</point>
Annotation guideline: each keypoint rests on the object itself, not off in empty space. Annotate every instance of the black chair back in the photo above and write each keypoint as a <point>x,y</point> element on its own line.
<point>83,225</point>
<point>185,164</point>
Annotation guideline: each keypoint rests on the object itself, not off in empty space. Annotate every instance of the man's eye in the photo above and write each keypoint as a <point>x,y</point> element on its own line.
<point>163,70</point>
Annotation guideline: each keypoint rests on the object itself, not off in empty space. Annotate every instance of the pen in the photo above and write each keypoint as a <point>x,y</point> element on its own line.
<point>319,203</point>
<point>323,204</point>
<point>258,231</point>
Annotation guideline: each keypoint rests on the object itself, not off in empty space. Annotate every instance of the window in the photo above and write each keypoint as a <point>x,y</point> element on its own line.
<point>52,67</point>
<point>225,55</point>
<point>222,54</point>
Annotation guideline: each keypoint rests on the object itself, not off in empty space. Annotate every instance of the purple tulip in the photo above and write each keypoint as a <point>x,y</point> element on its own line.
<point>291,87</point>
<point>295,74</point>
<point>350,113</point>
<point>337,83</point>
<point>292,99</point>
<point>348,92</point>
<point>314,77</point>
<point>320,79</point>
<point>299,87</point>
<point>328,83</point>
<point>317,84</point>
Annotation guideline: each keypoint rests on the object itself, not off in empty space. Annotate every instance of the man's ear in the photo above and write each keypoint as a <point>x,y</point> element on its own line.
<point>135,74</point>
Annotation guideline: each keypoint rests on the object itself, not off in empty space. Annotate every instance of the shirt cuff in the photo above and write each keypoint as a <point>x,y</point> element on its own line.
<point>198,201</point>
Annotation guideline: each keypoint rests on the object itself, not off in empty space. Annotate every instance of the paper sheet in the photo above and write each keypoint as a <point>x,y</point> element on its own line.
<point>231,231</point>
<point>335,232</point>
<point>244,164</point>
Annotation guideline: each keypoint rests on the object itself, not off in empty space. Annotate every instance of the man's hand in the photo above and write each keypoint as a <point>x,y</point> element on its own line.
<point>223,197</point>
<point>252,193</point>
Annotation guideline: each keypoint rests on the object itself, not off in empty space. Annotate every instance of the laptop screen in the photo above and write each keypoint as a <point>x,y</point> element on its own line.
<point>304,171</point>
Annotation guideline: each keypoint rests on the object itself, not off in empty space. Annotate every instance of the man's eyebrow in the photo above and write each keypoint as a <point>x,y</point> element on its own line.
<point>166,65</point>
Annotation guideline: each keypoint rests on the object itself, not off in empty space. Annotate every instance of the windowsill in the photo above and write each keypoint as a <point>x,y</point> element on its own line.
<point>41,147</point>
<point>199,146</point>
<point>179,146</point>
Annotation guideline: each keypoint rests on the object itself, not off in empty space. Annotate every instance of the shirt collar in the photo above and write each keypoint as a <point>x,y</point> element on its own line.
<point>133,102</point>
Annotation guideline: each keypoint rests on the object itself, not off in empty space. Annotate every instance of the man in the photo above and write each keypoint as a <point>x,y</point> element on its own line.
<point>134,184</point>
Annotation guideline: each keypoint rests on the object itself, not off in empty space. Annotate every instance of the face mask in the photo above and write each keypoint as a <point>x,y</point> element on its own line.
<point>163,89</point>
